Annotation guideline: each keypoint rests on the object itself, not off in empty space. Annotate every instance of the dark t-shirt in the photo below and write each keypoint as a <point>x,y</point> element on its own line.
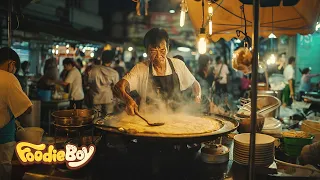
<point>120,71</point>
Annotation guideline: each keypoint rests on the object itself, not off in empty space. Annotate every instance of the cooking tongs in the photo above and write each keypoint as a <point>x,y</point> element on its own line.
<point>150,124</point>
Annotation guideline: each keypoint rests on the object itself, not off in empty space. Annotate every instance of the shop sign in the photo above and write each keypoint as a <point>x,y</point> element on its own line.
<point>74,157</point>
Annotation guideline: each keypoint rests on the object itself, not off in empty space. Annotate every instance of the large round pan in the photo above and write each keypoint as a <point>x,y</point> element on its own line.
<point>76,117</point>
<point>228,125</point>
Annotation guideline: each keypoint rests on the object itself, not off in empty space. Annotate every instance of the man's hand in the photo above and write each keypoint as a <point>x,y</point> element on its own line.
<point>197,99</point>
<point>131,107</point>
<point>291,94</point>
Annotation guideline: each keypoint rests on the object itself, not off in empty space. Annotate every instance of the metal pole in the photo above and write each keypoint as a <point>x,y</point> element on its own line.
<point>9,22</point>
<point>255,38</point>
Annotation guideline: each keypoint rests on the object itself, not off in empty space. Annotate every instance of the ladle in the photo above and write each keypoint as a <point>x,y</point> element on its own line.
<point>150,124</point>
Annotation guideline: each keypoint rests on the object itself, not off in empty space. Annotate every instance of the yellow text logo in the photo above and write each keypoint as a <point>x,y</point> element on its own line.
<point>73,156</point>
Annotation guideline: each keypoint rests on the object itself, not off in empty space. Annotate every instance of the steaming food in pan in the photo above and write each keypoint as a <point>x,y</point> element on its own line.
<point>175,124</point>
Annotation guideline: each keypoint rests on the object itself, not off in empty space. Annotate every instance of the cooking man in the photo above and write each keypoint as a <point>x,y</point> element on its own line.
<point>13,103</point>
<point>159,78</point>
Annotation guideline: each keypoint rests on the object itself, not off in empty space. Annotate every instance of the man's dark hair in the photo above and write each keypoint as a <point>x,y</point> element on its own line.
<point>25,65</point>
<point>68,61</point>
<point>305,71</point>
<point>218,58</point>
<point>141,58</point>
<point>292,60</point>
<point>6,54</point>
<point>179,57</point>
<point>117,62</point>
<point>203,61</point>
<point>154,37</point>
<point>107,56</point>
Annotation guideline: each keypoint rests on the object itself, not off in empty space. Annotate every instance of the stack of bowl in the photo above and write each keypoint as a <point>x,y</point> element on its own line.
<point>264,151</point>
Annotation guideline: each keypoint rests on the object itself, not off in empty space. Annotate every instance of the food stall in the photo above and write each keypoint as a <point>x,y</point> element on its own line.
<point>181,148</point>
<point>274,18</point>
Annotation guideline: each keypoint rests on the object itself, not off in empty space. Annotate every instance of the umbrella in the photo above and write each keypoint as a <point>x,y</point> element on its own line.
<point>282,20</point>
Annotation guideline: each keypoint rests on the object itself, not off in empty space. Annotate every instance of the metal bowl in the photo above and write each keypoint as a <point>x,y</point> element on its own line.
<point>77,117</point>
<point>245,123</point>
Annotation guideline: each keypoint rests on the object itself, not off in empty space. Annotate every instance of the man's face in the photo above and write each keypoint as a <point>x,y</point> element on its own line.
<point>158,54</point>
<point>12,66</point>
<point>67,67</point>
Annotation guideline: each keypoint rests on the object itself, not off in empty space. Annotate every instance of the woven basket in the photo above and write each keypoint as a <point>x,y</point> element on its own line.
<point>312,127</point>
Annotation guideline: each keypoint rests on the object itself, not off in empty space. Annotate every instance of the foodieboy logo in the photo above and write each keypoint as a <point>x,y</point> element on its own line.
<point>73,156</point>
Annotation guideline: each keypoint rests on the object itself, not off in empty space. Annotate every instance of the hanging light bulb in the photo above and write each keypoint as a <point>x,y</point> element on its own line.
<point>210,10</point>
<point>184,9</point>
<point>210,25</point>
<point>202,43</point>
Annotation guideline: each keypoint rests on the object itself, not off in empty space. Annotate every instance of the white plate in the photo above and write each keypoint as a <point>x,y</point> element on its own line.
<point>261,139</point>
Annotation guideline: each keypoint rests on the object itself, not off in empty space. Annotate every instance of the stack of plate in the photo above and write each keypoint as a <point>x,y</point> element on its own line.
<point>264,151</point>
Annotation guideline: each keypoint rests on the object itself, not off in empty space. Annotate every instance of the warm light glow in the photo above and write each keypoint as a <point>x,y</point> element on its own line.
<point>80,47</point>
<point>67,46</point>
<point>184,49</point>
<point>210,10</point>
<point>92,54</point>
<point>57,52</point>
<point>210,27</point>
<point>182,18</point>
<point>53,51</point>
<point>317,26</point>
<point>202,45</point>
<point>184,9</point>
<point>57,46</point>
<point>272,59</point>
<point>130,49</point>
<point>67,51</point>
<point>237,41</point>
<point>144,55</point>
<point>83,50</point>
<point>271,36</point>
<point>172,11</point>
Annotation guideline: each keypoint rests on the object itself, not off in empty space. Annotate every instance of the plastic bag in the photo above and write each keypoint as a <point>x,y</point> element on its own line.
<point>286,112</point>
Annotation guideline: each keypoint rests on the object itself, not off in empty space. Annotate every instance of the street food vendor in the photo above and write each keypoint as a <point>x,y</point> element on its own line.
<point>159,78</point>
<point>289,74</point>
<point>73,79</point>
<point>13,103</point>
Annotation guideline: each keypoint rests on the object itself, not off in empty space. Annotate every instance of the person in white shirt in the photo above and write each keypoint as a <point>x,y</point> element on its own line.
<point>221,72</point>
<point>289,75</point>
<point>73,79</point>
<point>101,79</point>
<point>13,103</point>
<point>159,79</point>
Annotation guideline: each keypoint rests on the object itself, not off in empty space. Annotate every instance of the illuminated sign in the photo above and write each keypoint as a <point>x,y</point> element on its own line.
<point>73,156</point>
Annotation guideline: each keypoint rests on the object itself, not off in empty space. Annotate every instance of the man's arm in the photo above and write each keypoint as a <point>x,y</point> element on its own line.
<point>196,88</point>
<point>62,83</point>
<point>291,88</point>
<point>120,90</point>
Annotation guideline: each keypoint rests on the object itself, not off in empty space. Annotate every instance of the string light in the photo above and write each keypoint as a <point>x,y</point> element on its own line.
<point>210,25</point>
<point>184,9</point>
<point>210,12</point>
